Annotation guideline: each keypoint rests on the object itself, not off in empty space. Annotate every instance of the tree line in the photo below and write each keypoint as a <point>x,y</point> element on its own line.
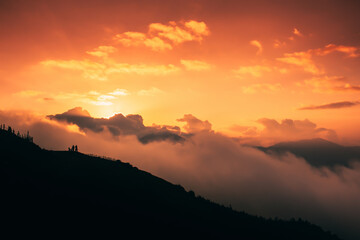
<point>11,130</point>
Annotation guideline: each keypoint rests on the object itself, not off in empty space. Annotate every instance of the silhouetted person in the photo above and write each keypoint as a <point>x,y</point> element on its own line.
<point>72,148</point>
<point>9,129</point>
<point>76,148</point>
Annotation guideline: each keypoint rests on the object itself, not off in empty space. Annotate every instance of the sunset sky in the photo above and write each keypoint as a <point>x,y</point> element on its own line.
<point>182,88</point>
<point>237,64</point>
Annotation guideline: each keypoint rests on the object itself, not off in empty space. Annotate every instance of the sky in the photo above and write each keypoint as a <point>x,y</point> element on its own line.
<point>193,81</point>
<point>229,62</point>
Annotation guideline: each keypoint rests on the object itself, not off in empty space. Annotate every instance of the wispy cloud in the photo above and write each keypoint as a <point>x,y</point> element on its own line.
<point>301,59</point>
<point>102,51</point>
<point>336,105</point>
<point>150,92</point>
<point>91,97</point>
<point>297,32</point>
<point>329,84</point>
<point>254,71</point>
<point>195,65</point>
<point>304,59</point>
<point>262,87</point>
<point>101,70</point>
<point>257,44</point>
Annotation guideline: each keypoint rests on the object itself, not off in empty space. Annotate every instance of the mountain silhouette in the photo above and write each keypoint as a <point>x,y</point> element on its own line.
<point>70,194</point>
<point>317,152</point>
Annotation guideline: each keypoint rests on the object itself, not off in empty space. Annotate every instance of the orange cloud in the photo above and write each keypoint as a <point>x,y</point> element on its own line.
<point>301,59</point>
<point>350,51</point>
<point>257,44</point>
<point>262,87</point>
<point>254,71</point>
<point>162,37</point>
<point>91,97</point>
<point>329,84</point>
<point>195,65</point>
<point>102,51</point>
<point>304,59</point>
<point>195,125</point>
<point>101,71</point>
<point>199,28</point>
<point>297,32</point>
<point>134,39</point>
<point>150,92</point>
<point>290,130</point>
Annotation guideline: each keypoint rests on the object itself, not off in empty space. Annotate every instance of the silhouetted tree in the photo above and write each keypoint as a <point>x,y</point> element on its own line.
<point>9,129</point>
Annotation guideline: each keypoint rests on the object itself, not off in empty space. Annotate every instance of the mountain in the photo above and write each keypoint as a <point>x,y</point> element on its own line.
<point>70,194</point>
<point>317,152</point>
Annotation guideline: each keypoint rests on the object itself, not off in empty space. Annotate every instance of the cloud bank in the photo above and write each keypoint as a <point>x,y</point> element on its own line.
<point>119,124</point>
<point>215,166</point>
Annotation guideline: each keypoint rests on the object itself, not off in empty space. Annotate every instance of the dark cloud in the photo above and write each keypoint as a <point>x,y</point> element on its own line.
<point>335,105</point>
<point>119,124</point>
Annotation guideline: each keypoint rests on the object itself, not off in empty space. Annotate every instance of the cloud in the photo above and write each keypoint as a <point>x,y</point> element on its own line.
<point>336,105</point>
<point>198,28</point>
<point>254,71</point>
<point>278,43</point>
<point>102,51</point>
<point>118,125</point>
<point>329,84</point>
<point>257,44</point>
<point>297,32</point>
<point>350,51</point>
<point>195,65</point>
<point>161,37</point>
<point>102,70</point>
<point>195,125</point>
<point>291,130</point>
<point>150,92</point>
<point>304,59</point>
<point>91,97</point>
<point>218,168</point>
<point>119,92</point>
<point>135,39</point>
<point>301,59</point>
<point>262,87</point>
<point>29,93</point>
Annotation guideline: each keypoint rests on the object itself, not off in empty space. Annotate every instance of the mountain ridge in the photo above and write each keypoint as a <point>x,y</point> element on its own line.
<point>62,192</point>
<point>317,152</point>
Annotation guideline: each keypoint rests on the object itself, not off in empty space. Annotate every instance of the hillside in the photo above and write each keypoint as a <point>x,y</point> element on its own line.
<point>64,193</point>
<point>318,152</point>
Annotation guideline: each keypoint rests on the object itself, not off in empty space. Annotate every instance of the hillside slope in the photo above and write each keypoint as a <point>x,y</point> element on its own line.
<point>55,193</point>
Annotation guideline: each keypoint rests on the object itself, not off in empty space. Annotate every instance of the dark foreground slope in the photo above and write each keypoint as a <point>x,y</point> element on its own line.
<point>318,152</point>
<point>51,194</point>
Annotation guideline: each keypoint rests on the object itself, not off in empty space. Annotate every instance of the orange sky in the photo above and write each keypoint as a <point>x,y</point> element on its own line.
<point>228,62</point>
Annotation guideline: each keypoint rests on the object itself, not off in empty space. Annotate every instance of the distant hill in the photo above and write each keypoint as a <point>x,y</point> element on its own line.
<point>318,152</point>
<point>70,194</point>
